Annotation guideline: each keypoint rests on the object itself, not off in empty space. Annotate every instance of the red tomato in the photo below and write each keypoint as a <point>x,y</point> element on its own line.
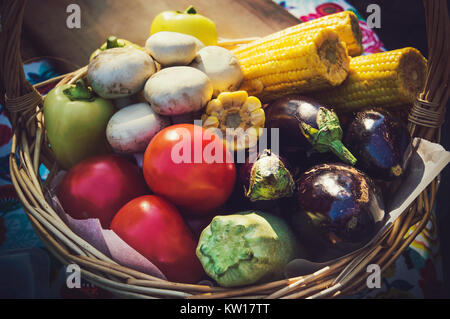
<point>154,227</point>
<point>99,186</point>
<point>191,167</point>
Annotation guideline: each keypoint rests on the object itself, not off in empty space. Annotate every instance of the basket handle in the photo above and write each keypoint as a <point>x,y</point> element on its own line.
<point>428,113</point>
<point>17,94</point>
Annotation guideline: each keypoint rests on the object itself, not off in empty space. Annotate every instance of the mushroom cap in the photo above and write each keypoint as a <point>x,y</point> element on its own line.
<point>120,72</point>
<point>221,66</point>
<point>131,129</point>
<point>178,90</point>
<point>173,48</point>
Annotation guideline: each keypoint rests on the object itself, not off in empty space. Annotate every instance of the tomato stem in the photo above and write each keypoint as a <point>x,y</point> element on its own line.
<point>79,92</point>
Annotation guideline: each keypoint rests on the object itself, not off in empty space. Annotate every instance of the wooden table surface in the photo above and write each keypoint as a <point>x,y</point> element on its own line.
<point>47,34</point>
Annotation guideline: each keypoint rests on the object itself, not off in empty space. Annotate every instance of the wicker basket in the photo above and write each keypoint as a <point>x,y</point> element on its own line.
<point>345,277</point>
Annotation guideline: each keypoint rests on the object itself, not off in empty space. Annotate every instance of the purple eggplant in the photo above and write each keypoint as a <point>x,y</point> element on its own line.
<point>379,141</point>
<point>304,124</point>
<point>339,209</point>
<point>267,178</point>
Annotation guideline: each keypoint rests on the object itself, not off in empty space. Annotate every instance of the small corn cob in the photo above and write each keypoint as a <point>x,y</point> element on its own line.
<point>237,116</point>
<point>345,24</point>
<point>387,79</point>
<point>294,64</point>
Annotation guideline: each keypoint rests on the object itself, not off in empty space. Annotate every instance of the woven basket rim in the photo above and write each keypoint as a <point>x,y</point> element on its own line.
<point>313,285</point>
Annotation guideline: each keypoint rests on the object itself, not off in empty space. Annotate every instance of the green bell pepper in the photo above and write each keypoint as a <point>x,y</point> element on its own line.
<point>75,122</point>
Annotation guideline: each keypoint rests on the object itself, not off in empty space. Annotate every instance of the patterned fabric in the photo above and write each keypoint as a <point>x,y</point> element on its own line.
<point>415,274</point>
<point>313,9</point>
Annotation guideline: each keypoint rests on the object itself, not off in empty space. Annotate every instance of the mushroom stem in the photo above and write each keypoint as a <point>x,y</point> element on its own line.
<point>79,92</point>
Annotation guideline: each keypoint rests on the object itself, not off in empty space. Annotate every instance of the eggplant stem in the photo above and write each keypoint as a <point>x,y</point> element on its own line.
<point>342,152</point>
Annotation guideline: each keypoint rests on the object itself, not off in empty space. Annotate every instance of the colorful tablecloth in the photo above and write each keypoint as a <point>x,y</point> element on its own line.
<point>27,270</point>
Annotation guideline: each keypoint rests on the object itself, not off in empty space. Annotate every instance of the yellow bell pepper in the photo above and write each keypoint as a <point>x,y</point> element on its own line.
<point>188,22</point>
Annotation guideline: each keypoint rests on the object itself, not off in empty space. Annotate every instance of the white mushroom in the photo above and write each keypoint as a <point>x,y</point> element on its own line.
<point>120,72</point>
<point>130,129</point>
<point>178,90</point>
<point>173,48</point>
<point>221,66</point>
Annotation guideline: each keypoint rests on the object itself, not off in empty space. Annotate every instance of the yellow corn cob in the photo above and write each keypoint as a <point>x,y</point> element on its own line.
<point>386,79</point>
<point>239,112</point>
<point>294,64</point>
<point>345,24</point>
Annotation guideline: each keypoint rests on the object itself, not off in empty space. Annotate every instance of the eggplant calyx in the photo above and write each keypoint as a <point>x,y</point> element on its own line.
<point>79,92</point>
<point>328,135</point>
<point>269,179</point>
